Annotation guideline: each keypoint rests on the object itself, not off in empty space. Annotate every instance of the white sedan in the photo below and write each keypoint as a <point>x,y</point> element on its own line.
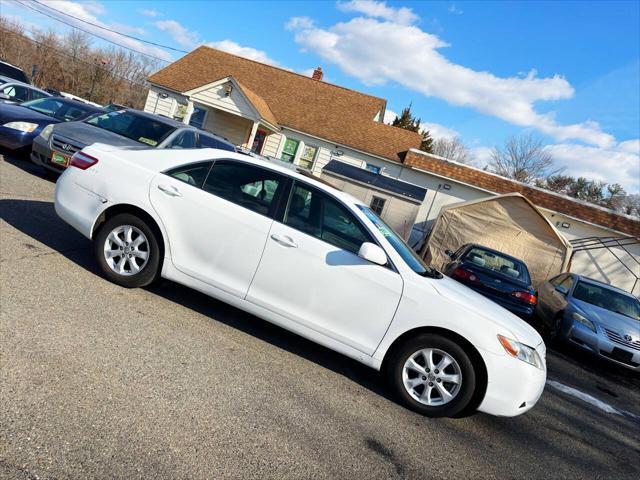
<point>291,250</point>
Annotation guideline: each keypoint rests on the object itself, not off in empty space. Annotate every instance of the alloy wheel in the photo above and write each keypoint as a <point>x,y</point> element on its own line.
<point>432,377</point>
<point>126,250</point>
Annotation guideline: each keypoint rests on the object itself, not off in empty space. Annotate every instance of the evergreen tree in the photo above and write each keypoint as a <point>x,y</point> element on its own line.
<point>407,121</point>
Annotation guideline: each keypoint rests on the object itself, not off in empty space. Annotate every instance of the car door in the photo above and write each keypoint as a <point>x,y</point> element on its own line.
<point>217,219</point>
<point>310,272</point>
<point>556,301</point>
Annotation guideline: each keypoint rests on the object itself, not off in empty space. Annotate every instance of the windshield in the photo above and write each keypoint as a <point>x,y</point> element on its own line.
<point>136,127</point>
<point>608,299</point>
<point>399,245</point>
<point>498,264</point>
<point>58,108</point>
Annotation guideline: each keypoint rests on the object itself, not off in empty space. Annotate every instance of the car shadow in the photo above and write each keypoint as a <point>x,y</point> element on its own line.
<point>24,163</point>
<point>38,220</point>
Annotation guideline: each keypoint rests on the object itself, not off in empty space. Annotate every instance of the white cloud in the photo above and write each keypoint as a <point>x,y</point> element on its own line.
<point>89,12</point>
<point>617,164</point>
<point>440,131</point>
<point>180,34</point>
<point>247,52</point>
<point>371,8</point>
<point>149,12</point>
<point>481,156</point>
<point>383,46</point>
<point>454,10</point>
<point>296,23</point>
<point>389,116</point>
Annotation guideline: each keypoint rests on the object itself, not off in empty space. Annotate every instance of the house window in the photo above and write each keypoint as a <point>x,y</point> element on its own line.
<point>372,168</point>
<point>377,204</point>
<point>198,117</point>
<point>308,156</point>
<point>289,150</point>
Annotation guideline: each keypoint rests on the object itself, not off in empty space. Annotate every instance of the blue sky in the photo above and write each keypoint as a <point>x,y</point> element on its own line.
<point>567,71</point>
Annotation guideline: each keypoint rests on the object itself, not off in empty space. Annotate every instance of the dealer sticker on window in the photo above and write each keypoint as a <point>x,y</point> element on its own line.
<point>148,141</point>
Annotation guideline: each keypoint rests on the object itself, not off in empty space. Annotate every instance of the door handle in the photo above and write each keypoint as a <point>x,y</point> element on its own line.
<point>284,241</point>
<point>171,190</point>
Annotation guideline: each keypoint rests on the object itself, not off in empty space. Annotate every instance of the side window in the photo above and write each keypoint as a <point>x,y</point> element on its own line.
<point>35,94</point>
<point>16,92</point>
<point>186,139</point>
<point>245,185</point>
<point>193,174</point>
<point>319,215</point>
<point>558,280</point>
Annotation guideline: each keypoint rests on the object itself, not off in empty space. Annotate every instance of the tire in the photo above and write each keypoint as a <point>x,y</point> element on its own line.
<point>400,376</point>
<point>142,261</point>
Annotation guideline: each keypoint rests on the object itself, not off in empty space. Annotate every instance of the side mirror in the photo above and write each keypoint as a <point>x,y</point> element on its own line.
<point>372,253</point>
<point>449,253</point>
<point>562,290</point>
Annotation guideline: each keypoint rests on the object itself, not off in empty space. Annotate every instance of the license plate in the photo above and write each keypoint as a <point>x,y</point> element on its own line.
<point>60,159</point>
<point>621,355</point>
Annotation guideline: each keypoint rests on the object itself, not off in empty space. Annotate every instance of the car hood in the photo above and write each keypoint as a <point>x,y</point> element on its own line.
<point>14,113</point>
<point>478,304</point>
<point>607,318</point>
<point>83,134</point>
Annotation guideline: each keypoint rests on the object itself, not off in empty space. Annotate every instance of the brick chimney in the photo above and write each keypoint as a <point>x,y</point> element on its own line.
<point>317,74</point>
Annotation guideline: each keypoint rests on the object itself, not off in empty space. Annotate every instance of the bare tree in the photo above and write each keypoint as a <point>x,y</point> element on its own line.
<point>523,158</point>
<point>452,149</point>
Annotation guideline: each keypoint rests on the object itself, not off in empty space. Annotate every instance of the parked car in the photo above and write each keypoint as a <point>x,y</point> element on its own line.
<point>496,275</point>
<point>53,148</point>
<point>305,256</point>
<point>593,316</point>
<point>20,124</point>
<point>13,91</point>
<point>11,71</point>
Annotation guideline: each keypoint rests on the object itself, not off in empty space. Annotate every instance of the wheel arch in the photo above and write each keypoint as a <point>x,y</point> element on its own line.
<point>119,208</point>
<point>475,356</point>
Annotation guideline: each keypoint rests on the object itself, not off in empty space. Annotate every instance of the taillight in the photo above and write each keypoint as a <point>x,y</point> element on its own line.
<point>82,160</point>
<point>463,274</point>
<point>525,297</point>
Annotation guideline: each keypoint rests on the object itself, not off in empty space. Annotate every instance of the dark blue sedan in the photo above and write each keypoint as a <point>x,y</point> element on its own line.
<point>497,276</point>
<point>20,124</point>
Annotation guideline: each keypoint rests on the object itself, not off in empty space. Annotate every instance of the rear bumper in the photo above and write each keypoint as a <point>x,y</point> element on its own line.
<point>523,311</point>
<point>514,386</point>
<point>76,205</point>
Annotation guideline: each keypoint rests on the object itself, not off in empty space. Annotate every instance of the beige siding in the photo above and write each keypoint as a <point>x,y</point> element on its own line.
<point>271,144</point>
<point>216,96</point>
<point>232,127</point>
<point>164,106</point>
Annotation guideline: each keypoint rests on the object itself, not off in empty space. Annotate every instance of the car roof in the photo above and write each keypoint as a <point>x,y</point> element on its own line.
<point>71,101</point>
<point>602,284</point>
<point>161,160</point>
<point>157,118</point>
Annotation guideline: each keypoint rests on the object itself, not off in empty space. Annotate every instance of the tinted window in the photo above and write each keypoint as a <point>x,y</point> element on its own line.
<point>186,139</point>
<point>136,127</point>
<point>58,108</point>
<point>245,185</point>
<point>35,94</point>
<point>497,263</point>
<point>608,299</point>
<point>16,92</point>
<point>319,215</point>
<point>399,245</point>
<point>193,174</point>
<point>207,141</point>
<point>567,282</point>
<point>13,72</point>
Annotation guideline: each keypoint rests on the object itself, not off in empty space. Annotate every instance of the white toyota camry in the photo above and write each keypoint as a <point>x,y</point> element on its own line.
<point>296,252</point>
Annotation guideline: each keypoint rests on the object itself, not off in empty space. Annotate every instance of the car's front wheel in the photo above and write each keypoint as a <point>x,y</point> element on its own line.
<point>432,375</point>
<point>127,251</point>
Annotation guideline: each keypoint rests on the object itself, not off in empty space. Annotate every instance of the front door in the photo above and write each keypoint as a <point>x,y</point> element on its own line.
<point>217,219</point>
<point>310,272</point>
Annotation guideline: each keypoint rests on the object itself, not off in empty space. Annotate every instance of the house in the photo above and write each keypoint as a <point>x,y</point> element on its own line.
<point>321,127</point>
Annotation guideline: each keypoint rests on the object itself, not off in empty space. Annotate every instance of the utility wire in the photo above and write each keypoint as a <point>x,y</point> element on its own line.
<point>110,30</point>
<point>89,32</point>
<point>60,52</point>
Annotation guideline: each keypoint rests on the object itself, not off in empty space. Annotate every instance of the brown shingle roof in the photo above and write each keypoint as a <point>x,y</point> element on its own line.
<point>318,108</point>
<point>261,105</point>
<point>541,198</point>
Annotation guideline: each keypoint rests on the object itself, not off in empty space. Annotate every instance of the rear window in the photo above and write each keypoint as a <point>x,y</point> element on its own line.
<point>13,72</point>
<point>498,264</point>
<point>58,108</point>
<point>136,127</point>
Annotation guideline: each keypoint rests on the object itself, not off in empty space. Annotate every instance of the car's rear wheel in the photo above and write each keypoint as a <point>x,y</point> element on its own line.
<point>127,251</point>
<point>432,375</point>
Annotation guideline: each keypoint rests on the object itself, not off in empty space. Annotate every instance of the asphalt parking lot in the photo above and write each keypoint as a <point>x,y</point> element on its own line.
<point>97,381</point>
